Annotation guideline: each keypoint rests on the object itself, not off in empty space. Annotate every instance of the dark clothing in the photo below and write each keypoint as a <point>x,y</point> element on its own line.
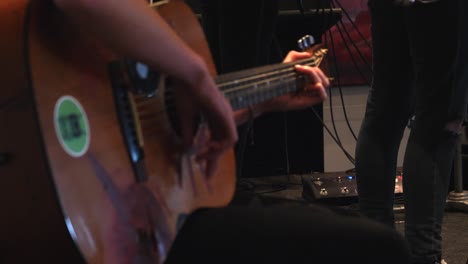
<point>415,51</point>
<point>285,234</point>
<point>274,233</point>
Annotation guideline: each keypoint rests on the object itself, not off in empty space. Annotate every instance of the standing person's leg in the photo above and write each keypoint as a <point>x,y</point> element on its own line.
<point>458,103</point>
<point>285,234</point>
<point>387,112</point>
<point>433,33</point>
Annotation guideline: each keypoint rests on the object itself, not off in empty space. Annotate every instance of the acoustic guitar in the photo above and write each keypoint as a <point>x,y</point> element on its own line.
<point>90,158</point>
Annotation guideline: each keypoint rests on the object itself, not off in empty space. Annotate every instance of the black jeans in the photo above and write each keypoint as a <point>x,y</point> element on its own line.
<point>415,51</point>
<point>283,233</point>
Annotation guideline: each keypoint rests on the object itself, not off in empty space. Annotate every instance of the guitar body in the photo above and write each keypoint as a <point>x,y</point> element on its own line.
<point>72,178</point>
<point>32,225</point>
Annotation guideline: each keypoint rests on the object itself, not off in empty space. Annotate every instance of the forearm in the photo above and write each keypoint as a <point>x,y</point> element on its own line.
<point>132,29</point>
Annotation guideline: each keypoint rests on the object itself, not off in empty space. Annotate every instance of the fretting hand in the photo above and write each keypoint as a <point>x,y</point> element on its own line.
<point>313,92</point>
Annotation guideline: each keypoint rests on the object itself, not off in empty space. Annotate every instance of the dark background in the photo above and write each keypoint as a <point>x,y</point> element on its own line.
<point>248,33</point>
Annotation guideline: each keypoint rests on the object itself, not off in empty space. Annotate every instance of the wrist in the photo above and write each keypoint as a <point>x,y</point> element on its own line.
<point>197,73</point>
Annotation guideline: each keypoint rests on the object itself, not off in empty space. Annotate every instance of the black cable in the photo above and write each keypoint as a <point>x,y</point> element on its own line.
<point>351,159</point>
<point>242,144</point>
<point>286,143</point>
<point>351,53</point>
<point>367,63</point>
<point>345,112</point>
<point>324,17</point>
<point>335,138</point>
<point>259,32</point>
<point>330,97</point>
<point>354,25</point>
<point>330,94</point>
<point>338,77</point>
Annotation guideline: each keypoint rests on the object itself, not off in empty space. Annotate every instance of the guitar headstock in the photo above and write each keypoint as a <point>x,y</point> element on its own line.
<point>308,44</point>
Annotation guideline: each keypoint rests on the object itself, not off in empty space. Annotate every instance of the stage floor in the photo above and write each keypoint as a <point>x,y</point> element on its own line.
<point>285,189</point>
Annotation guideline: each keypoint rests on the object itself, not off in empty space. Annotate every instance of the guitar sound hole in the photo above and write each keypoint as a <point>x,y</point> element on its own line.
<point>172,113</point>
<point>143,79</point>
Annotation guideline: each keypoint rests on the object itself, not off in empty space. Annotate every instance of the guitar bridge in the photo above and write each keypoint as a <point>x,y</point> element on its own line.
<point>128,119</point>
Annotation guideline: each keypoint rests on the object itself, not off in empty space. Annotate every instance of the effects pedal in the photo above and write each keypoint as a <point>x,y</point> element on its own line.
<point>335,187</point>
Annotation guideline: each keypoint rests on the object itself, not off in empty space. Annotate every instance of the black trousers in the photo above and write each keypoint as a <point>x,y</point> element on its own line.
<point>419,67</point>
<point>272,232</point>
<point>285,233</point>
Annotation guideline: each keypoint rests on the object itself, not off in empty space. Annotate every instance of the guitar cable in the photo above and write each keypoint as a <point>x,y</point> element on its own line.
<point>363,59</point>
<point>334,136</point>
<point>241,147</point>
<point>349,156</point>
<point>354,25</point>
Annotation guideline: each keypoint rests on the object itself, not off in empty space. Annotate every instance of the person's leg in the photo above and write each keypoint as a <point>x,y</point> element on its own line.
<point>432,142</point>
<point>387,112</point>
<point>459,97</point>
<point>285,234</point>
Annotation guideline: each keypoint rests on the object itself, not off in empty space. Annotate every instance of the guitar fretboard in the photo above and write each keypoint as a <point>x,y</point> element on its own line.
<point>249,87</point>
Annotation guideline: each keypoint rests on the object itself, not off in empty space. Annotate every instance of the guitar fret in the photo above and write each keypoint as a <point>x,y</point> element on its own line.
<point>244,89</point>
<point>260,92</point>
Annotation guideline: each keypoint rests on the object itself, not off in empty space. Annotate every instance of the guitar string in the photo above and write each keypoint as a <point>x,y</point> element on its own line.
<point>147,117</point>
<point>258,80</point>
<point>282,68</point>
<point>291,76</point>
<point>171,103</point>
<point>149,121</point>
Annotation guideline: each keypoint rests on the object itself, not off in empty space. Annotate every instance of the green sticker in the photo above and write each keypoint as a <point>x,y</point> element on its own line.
<point>72,126</point>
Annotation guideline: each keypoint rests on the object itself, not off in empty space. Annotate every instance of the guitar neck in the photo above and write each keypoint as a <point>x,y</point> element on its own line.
<point>249,87</point>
